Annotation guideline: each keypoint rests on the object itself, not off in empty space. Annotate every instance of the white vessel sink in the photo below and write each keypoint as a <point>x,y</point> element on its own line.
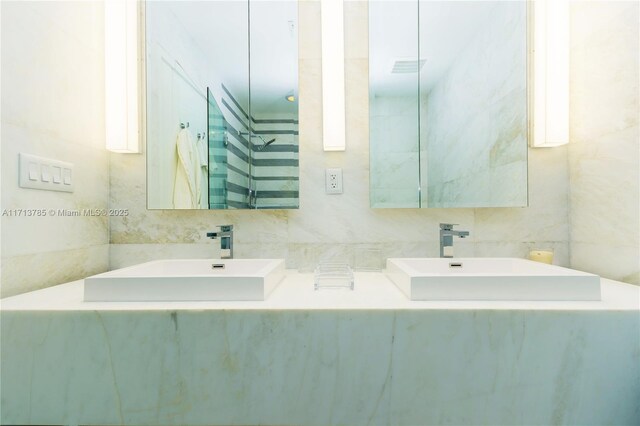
<point>187,280</point>
<point>490,279</point>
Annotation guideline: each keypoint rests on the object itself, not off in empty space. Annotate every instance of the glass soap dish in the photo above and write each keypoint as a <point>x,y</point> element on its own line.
<point>333,275</point>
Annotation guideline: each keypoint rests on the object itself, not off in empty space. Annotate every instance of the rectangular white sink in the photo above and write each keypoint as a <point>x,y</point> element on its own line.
<point>187,280</point>
<point>490,279</point>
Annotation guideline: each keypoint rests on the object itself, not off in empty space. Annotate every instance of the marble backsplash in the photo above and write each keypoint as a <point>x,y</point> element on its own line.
<point>338,226</point>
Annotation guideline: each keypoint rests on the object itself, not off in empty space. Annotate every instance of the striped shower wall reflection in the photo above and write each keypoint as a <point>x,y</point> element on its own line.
<point>272,173</point>
<point>218,169</point>
<point>275,169</point>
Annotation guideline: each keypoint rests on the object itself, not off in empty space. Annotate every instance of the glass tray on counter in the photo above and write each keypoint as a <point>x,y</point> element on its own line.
<point>333,276</point>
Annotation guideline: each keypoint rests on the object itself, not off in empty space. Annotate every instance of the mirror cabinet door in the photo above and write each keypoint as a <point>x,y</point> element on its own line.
<point>393,104</point>
<point>471,101</point>
<point>204,145</point>
<point>274,104</point>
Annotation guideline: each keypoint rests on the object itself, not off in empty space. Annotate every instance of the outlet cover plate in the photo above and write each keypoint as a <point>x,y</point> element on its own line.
<point>333,181</point>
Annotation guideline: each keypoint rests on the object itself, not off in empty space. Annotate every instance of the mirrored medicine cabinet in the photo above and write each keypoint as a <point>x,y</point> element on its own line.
<point>221,87</point>
<point>448,103</point>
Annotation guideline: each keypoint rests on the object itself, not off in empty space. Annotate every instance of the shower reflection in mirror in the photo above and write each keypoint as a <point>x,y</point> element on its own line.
<point>448,103</point>
<point>222,117</point>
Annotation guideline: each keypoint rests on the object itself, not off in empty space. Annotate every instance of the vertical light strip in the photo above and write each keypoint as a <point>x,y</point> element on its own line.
<point>550,73</point>
<point>121,75</point>
<point>333,88</point>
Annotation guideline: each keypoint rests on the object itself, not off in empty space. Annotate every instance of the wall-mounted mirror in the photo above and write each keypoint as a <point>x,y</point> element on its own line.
<point>448,103</point>
<point>222,104</point>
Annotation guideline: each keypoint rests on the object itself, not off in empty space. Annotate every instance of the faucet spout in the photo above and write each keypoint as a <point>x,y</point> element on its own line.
<point>446,238</point>
<point>460,234</point>
<point>226,240</point>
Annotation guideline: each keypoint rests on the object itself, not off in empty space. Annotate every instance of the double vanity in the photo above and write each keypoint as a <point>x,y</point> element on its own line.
<point>248,342</point>
<point>419,279</point>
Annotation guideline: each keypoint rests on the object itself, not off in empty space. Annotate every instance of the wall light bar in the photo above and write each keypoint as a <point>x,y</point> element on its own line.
<point>333,88</point>
<point>550,120</point>
<point>121,76</point>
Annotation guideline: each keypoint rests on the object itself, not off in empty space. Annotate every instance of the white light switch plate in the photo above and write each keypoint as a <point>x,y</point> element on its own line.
<point>45,174</point>
<point>333,181</point>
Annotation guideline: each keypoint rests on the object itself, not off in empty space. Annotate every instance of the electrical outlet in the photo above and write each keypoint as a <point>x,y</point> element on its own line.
<point>333,181</point>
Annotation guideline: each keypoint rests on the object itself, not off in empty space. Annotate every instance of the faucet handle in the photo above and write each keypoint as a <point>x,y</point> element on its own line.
<point>223,228</point>
<point>447,226</point>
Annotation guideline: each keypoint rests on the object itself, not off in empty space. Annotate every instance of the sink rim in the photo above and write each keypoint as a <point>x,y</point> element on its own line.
<point>546,283</point>
<point>125,272</point>
<point>541,269</point>
<point>148,285</point>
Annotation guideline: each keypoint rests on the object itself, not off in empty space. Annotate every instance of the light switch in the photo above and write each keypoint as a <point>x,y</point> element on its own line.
<point>46,173</point>
<point>66,176</point>
<point>33,171</point>
<point>57,174</point>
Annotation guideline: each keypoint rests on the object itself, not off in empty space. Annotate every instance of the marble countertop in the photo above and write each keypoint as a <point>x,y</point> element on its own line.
<point>373,291</point>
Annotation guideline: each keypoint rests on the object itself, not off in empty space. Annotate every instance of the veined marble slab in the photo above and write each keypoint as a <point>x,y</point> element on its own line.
<point>320,358</point>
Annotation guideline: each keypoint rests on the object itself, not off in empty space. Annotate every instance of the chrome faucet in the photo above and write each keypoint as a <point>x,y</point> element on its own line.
<point>446,238</point>
<point>226,239</point>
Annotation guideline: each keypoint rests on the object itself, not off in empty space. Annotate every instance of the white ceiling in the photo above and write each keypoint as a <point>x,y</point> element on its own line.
<point>219,29</point>
<point>445,29</point>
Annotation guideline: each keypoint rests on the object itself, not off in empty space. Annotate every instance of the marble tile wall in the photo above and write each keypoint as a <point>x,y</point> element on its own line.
<point>394,163</point>
<point>474,118</point>
<point>604,152</point>
<point>52,106</point>
<point>338,226</point>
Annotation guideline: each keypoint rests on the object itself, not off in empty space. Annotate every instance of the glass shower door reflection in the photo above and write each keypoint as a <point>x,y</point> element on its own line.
<point>217,133</point>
